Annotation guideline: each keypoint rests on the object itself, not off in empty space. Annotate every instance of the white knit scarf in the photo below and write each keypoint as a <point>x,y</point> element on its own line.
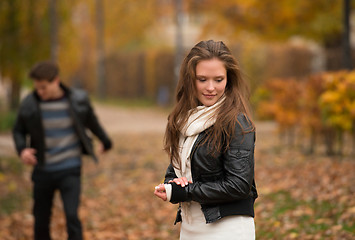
<point>200,119</point>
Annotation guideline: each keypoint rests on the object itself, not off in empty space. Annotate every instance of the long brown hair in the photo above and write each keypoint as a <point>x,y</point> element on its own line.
<point>236,93</point>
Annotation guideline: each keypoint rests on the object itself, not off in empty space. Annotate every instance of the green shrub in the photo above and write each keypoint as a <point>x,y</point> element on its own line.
<point>7,120</point>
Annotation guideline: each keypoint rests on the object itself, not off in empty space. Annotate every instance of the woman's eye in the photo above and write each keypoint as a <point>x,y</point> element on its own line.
<point>219,80</point>
<point>201,79</point>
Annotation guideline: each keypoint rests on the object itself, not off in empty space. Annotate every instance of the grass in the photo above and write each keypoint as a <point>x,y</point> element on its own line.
<point>350,227</point>
<point>11,166</point>
<point>290,218</point>
<point>12,202</point>
<point>14,189</point>
<point>7,120</point>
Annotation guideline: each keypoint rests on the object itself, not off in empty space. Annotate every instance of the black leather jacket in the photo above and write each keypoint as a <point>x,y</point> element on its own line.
<point>29,124</point>
<point>223,184</point>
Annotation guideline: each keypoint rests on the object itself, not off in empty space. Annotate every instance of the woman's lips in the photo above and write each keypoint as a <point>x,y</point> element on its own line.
<point>209,96</point>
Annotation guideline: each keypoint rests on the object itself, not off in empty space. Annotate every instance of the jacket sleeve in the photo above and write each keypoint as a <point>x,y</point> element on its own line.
<point>19,133</point>
<point>237,178</point>
<point>170,174</point>
<point>95,127</point>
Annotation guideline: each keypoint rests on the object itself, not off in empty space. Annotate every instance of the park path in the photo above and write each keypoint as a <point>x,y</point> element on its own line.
<point>118,120</point>
<point>114,119</point>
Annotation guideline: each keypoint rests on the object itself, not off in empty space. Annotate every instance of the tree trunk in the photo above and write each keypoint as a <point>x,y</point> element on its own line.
<point>347,63</point>
<point>178,38</point>
<point>14,58</point>
<point>53,29</point>
<point>312,141</point>
<point>14,94</point>
<point>329,138</point>
<point>340,135</point>
<point>100,50</point>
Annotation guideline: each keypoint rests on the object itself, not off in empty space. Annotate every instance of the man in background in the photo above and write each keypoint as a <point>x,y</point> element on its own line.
<point>50,134</point>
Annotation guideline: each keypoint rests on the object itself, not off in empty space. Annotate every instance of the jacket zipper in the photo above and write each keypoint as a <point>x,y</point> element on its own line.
<point>195,147</point>
<point>39,115</point>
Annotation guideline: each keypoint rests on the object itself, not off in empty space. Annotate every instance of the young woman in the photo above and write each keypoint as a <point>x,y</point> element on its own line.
<point>210,141</point>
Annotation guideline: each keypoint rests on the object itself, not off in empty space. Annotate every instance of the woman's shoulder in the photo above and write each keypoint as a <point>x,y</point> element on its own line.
<point>244,123</point>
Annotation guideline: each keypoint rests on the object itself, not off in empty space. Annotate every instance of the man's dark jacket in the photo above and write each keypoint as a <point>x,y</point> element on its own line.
<point>223,184</point>
<point>29,124</point>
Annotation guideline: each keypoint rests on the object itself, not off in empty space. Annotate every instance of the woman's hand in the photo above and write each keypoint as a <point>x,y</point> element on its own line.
<point>180,181</point>
<point>160,192</point>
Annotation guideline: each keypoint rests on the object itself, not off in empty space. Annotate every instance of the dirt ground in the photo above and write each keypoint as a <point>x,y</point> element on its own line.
<point>301,196</point>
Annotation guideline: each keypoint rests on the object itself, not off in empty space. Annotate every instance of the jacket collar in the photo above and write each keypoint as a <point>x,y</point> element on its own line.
<point>66,90</point>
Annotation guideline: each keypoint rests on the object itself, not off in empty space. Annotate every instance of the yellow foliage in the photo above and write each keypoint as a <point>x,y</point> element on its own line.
<point>326,99</point>
<point>351,109</point>
<point>12,186</point>
<point>329,97</point>
<point>2,177</point>
<point>338,100</point>
<point>341,121</point>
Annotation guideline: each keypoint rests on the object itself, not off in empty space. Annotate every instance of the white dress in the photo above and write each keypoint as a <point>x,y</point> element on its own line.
<point>194,227</point>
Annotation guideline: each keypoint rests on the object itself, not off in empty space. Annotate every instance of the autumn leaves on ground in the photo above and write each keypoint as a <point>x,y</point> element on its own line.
<point>300,196</point>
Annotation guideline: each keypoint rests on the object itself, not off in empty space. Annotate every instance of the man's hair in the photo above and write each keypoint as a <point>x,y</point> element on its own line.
<point>45,70</point>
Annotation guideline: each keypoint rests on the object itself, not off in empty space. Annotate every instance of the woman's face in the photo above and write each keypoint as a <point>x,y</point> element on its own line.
<point>211,81</point>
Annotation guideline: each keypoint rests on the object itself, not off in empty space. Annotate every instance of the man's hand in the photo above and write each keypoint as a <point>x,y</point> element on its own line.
<point>102,150</point>
<point>28,156</point>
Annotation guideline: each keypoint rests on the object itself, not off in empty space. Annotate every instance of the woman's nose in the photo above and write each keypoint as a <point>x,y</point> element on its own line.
<point>210,86</point>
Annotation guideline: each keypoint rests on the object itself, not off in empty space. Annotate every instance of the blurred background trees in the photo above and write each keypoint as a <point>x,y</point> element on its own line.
<point>297,56</point>
<point>130,49</point>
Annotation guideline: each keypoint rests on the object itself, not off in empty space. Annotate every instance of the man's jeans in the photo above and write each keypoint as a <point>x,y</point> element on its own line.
<point>45,185</point>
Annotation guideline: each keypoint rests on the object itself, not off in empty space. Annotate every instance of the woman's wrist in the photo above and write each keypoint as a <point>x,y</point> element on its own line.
<point>178,193</point>
<point>168,191</point>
